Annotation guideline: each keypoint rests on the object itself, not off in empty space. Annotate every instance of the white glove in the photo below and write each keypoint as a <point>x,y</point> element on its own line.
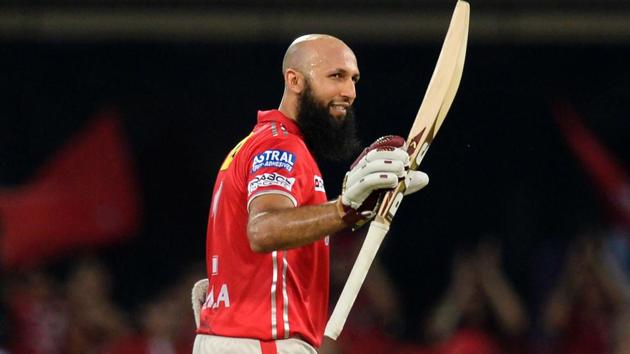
<point>415,181</point>
<point>199,293</point>
<point>380,167</point>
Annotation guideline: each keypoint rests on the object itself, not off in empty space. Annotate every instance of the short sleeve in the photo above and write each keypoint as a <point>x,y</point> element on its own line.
<point>278,166</point>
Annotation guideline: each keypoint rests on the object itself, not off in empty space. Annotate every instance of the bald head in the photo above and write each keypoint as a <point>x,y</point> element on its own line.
<point>323,67</point>
<point>309,50</point>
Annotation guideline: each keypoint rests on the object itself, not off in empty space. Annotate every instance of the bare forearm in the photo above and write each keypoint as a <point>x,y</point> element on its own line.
<point>506,303</point>
<point>382,293</point>
<point>556,311</point>
<point>613,282</point>
<point>445,318</point>
<point>293,227</point>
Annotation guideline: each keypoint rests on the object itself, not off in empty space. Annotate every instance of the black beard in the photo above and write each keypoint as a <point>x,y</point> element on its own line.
<point>327,137</point>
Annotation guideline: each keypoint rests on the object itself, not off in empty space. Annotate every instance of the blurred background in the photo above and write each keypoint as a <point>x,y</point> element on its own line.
<point>115,116</point>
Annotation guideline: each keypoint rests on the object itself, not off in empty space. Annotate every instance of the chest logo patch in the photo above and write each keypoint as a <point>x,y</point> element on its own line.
<point>274,158</point>
<point>270,179</point>
<point>319,184</point>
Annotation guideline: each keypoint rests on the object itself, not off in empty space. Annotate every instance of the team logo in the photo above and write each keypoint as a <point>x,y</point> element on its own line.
<point>270,179</point>
<point>274,158</point>
<point>319,184</point>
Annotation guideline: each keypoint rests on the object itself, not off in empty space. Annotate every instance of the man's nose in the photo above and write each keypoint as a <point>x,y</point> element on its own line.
<point>348,90</point>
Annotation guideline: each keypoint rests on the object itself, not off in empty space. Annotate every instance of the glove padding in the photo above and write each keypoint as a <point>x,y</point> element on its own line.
<point>415,181</point>
<point>198,297</point>
<point>380,167</point>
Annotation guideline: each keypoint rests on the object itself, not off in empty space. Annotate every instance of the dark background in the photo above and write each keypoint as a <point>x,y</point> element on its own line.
<point>498,167</point>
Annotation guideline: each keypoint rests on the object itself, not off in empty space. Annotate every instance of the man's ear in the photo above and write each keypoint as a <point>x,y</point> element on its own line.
<point>294,81</point>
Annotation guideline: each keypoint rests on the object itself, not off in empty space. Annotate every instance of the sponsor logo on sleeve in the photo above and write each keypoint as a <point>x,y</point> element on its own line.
<point>274,158</point>
<point>270,179</point>
<point>319,184</point>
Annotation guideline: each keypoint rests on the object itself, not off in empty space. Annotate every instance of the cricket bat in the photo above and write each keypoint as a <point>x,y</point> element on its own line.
<point>436,103</point>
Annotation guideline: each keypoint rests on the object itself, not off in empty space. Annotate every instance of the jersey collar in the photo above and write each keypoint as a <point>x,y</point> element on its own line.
<point>275,115</point>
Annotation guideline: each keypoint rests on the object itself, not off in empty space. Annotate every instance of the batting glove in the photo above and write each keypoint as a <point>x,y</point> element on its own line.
<point>415,181</point>
<point>379,167</point>
<point>199,293</point>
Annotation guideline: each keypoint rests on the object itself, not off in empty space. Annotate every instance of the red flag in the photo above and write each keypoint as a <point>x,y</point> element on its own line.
<point>606,172</point>
<point>85,195</point>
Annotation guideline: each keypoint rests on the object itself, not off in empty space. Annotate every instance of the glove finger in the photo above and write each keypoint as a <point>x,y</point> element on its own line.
<point>384,154</point>
<point>388,140</point>
<point>200,288</point>
<point>385,142</point>
<point>415,181</point>
<point>359,191</point>
<point>388,154</point>
<point>198,297</point>
<point>393,166</point>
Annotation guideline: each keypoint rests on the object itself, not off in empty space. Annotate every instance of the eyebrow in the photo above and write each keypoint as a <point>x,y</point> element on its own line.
<point>355,77</point>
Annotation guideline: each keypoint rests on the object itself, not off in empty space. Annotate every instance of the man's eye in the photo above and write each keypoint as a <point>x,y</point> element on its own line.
<point>336,76</point>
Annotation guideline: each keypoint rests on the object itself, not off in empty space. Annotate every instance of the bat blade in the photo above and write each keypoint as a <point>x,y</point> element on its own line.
<point>457,78</point>
<point>442,87</point>
<point>433,109</point>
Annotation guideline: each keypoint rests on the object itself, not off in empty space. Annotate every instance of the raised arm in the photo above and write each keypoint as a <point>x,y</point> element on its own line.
<point>503,299</point>
<point>275,223</point>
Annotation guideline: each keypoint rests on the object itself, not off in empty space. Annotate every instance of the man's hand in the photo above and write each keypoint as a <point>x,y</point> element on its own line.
<point>379,167</point>
<point>199,293</point>
<point>415,181</point>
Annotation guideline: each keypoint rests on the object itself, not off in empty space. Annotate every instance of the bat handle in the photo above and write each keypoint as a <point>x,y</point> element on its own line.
<point>373,239</point>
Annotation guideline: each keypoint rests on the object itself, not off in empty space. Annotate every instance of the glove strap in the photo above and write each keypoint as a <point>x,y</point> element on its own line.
<point>352,217</point>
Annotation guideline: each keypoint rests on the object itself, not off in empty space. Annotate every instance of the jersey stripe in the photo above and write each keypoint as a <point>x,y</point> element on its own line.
<point>274,282</point>
<point>285,296</point>
<point>215,202</point>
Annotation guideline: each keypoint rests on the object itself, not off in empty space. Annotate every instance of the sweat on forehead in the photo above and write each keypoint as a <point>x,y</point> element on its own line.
<point>304,50</point>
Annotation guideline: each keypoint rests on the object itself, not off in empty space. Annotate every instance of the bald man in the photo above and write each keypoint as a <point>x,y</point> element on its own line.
<point>267,240</point>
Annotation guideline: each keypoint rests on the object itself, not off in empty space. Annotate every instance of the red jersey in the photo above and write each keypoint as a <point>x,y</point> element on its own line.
<point>275,295</point>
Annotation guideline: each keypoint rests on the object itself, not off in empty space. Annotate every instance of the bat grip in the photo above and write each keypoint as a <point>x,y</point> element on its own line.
<point>373,239</point>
